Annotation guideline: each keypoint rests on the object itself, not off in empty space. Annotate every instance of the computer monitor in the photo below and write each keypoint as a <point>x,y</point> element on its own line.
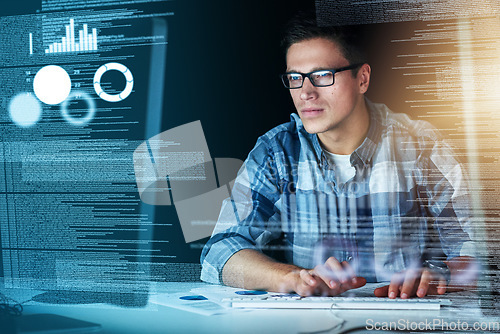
<point>83,87</point>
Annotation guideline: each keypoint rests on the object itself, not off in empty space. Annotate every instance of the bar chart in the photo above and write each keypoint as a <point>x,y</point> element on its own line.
<point>86,41</point>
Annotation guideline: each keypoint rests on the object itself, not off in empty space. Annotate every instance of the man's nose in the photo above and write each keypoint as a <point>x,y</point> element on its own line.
<point>308,91</point>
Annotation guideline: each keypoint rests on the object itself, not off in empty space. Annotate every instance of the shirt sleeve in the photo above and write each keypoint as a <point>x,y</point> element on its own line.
<point>249,218</point>
<point>449,202</point>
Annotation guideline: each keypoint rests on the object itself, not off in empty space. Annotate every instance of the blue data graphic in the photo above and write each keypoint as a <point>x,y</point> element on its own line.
<point>85,40</point>
<point>82,88</point>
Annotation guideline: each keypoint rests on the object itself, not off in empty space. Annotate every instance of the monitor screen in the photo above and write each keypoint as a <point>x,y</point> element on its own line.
<point>83,88</point>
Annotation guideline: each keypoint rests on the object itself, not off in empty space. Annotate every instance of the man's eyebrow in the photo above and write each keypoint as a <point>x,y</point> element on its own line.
<point>322,68</point>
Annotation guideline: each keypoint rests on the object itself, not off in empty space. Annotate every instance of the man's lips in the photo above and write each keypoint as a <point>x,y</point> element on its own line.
<point>311,112</point>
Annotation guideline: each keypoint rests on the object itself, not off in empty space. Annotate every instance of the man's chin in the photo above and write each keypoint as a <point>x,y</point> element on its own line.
<point>313,126</point>
<point>312,129</point>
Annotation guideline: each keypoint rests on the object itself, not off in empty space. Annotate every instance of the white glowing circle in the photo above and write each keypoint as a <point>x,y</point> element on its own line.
<point>82,120</point>
<point>52,84</point>
<point>113,97</point>
<point>25,110</point>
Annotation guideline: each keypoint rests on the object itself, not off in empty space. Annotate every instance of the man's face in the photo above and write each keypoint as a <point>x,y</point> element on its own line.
<point>324,110</point>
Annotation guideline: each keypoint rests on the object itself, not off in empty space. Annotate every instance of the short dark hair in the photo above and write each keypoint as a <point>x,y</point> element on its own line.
<point>303,27</point>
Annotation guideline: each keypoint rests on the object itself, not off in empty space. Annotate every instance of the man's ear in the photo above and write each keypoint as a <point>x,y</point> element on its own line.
<point>364,78</point>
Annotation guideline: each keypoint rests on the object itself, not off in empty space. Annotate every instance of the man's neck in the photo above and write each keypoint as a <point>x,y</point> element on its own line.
<point>349,135</point>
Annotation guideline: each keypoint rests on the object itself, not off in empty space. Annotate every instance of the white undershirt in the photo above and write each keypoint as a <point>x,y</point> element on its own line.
<point>343,169</point>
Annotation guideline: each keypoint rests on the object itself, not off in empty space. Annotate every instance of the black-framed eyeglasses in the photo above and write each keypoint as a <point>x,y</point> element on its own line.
<point>319,78</point>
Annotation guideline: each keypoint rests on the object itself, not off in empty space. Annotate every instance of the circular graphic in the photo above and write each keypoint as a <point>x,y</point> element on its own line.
<point>25,110</point>
<point>81,120</point>
<point>113,97</point>
<point>197,297</point>
<point>52,84</point>
<point>250,293</point>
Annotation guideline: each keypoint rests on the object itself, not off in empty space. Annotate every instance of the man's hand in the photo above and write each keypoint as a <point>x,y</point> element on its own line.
<point>329,279</point>
<point>413,282</point>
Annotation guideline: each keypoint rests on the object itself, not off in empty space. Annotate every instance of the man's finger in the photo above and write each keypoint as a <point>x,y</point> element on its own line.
<point>319,288</point>
<point>396,282</point>
<point>353,281</point>
<point>382,291</point>
<point>441,289</point>
<point>410,283</point>
<point>437,283</point>
<point>330,273</point>
<point>349,270</point>
<point>304,290</point>
<point>307,278</point>
<point>425,280</point>
<point>360,281</point>
<point>335,267</point>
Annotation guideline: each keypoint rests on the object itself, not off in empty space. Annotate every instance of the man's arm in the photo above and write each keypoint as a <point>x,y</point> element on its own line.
<point>250,269</point>
<point>447,200</point>
<point>249,221</point>
<point>245,221</point>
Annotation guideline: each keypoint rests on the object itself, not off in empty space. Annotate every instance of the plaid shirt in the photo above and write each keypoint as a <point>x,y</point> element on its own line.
<point>407,202</point>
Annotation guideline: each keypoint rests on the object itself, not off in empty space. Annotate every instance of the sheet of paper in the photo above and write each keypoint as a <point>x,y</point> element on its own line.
<point>217,293</point>
<point>188,302</point>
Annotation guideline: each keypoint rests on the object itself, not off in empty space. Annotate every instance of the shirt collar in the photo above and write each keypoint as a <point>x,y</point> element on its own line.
<point>364,152</point>
<point>312,138</point>
<point>367,149</point>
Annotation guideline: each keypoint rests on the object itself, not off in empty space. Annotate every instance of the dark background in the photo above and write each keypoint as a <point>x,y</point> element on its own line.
<point>223,66</point>
<point>223,69</point>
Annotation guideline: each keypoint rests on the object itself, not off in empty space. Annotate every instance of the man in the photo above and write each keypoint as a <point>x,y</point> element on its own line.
<point>348,190</point>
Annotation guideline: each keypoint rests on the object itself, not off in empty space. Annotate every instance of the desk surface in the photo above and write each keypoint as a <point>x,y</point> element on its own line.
<point>162,319</point>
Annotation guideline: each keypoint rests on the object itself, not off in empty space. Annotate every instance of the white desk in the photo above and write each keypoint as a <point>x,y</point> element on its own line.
<point>161,319</point>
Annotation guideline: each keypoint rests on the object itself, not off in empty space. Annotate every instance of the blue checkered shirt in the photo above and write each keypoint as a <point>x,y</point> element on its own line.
<point>407,202</point>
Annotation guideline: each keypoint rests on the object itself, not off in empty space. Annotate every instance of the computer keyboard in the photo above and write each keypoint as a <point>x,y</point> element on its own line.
<point>360,303</point>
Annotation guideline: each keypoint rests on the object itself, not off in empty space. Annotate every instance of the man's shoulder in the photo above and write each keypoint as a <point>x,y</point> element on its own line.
<point>283,142</point>
<point>401,124</point>
<point>284,134</point>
